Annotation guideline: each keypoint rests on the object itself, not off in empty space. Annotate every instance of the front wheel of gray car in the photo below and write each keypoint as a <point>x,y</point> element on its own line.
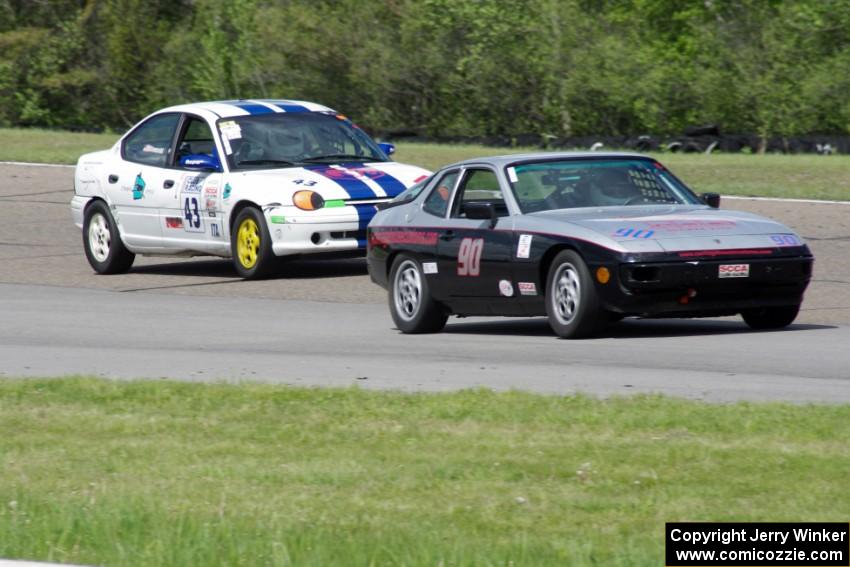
<point>412,307</point>
<point>770,317</point>
<point>572,304</point>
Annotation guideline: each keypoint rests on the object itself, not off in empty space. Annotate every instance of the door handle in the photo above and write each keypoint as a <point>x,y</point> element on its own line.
<point>448,235</point>
<point>168,184</point>
<point>113,178</point>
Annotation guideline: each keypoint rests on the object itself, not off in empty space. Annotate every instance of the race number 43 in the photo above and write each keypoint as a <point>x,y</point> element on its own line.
<point>469,256</point>
<point>192,214</point>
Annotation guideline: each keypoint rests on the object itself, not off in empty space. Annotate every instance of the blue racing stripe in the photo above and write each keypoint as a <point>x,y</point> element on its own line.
<point>288,107</point>
<point>365,214</point>
<point>388,183</point>
<point>355,188</point>
<point>251,107</point>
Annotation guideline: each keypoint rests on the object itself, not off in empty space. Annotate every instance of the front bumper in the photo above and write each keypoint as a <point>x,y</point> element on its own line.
<point>293,232</point>
<point>695,288</point>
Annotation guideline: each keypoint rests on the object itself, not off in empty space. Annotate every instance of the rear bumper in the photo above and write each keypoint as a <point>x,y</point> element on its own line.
<point>695,288</point>
<point>78,208</point>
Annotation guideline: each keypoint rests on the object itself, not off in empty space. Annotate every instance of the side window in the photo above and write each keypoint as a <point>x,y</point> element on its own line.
<point>480,186</point>
<point>151,142</point>
<point>438,201</point>
<point>197,138</point>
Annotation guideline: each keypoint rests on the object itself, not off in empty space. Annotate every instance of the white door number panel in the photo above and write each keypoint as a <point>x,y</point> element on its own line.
<point>192,219</point>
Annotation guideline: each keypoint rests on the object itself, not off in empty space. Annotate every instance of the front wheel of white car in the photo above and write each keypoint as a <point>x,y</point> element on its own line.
<point>572,304</point>
<point>251,245</point>
<point>102,242</point>
<point>411,305</point>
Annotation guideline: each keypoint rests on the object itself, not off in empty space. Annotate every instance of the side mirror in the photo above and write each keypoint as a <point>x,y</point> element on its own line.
<point>387,148</point>
<point>711,199</point>
<point>200,162</point>
<point>481,211</point>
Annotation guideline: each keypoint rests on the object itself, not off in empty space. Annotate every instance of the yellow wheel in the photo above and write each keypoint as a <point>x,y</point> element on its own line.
<point>250,244</point>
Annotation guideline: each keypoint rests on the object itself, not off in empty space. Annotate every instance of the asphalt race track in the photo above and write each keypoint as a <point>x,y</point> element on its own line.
<point>324,323</point>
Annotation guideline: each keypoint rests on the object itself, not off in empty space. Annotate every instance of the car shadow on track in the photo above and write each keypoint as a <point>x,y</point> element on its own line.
<point>292,269</point>
<point>626,329</point>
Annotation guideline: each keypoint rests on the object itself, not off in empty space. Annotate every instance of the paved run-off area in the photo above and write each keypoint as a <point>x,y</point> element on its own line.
<point>323,322</point>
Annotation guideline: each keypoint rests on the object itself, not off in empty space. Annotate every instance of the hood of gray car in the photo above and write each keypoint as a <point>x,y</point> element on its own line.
<point>677,227</point>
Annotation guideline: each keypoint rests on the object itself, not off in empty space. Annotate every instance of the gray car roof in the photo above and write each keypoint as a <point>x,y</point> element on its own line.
<point>503,160</point>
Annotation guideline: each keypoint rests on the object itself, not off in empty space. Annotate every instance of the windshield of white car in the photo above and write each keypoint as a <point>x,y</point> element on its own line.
<point>287,139</point>
<point>574,183</point>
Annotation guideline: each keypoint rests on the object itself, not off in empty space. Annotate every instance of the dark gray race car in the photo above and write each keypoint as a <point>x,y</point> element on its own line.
<point>582,238</point>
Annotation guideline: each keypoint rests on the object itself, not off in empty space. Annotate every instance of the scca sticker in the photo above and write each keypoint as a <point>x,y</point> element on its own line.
<point>469,257</point>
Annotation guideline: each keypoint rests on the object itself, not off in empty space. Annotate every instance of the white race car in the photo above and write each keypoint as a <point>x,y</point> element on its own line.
<point>247,179</point>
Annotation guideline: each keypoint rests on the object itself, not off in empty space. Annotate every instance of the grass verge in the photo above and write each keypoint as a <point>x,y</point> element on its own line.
<point>788,176</point>
<point>167,473</point>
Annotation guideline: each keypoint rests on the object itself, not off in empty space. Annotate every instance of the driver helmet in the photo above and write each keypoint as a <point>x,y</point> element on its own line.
<point>614,186</point>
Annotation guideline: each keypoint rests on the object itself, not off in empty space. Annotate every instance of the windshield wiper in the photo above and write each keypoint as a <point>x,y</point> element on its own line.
<point>337,157</point>
<point>265,162</point>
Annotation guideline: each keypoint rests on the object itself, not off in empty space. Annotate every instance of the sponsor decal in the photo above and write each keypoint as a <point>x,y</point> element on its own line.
<point>192,184</point>
<point>733,271</point>
<point>633,233</point>
<point>211,190</point>
<point>429,267</point>
<point>785,240</point>
<point>423,238</point>
<point>173,222</point>
<point>469,257</point>
<point>684,225</point>
<point>227,190</point>
<point>506,288</point>
<point>736,252</point>
<point>523,249</point>
<point>230,130</point>
<point>305,182</point>
<point>138,187</point>
<point>214,231</point>
<point>512,175</point>
<point>148,148</point>
<point>527,288</point>
<point>278,219</point>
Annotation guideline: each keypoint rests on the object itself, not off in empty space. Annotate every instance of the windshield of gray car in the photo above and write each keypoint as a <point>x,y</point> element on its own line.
<point>573,183</point>
<point>288,139</point>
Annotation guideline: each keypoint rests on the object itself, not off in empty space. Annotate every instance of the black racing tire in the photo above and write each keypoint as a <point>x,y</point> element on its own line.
<point>251,245</point>
<point>105,251</point>
<point>411,305</point>
<point>572,304</point>
<point>770,317</point>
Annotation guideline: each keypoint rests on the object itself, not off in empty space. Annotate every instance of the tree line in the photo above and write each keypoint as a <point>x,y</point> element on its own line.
<point>440,68</point>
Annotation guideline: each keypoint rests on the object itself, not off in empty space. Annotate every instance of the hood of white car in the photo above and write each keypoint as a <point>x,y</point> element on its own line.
<point>348,181</point>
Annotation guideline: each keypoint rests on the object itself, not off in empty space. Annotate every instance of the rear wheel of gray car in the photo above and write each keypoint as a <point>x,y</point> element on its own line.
<point>770,317</point>
<point>102,242</point>
<point>412,307</point>
<point>572,304</point>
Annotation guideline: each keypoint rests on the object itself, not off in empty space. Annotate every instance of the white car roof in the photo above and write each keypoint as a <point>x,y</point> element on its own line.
<point>245,107</point>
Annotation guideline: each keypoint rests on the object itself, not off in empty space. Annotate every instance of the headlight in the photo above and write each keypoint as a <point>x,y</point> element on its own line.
<point>308,200</point>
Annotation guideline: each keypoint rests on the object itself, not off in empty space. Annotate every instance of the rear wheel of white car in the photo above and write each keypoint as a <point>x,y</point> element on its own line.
<point>412,307</point>
<point>102,242</point>
<point>770,317</point>
<point>251,245</point>
<point>572,304</point>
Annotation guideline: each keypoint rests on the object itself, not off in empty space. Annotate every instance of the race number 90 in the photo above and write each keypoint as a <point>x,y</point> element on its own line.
<point>469,256</point>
